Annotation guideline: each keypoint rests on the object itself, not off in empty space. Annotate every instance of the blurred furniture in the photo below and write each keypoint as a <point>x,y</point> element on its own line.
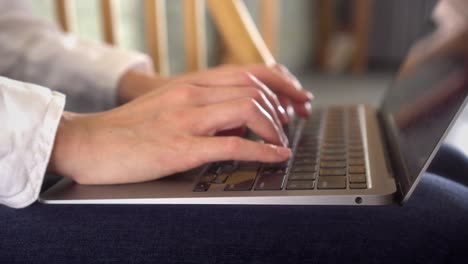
<point>243,41</point>
<point>358,28</point>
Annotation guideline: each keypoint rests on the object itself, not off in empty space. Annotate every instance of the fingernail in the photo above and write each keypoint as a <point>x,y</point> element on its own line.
<point>285,140</point>
<point>283,114</point>
<point>310,95</point>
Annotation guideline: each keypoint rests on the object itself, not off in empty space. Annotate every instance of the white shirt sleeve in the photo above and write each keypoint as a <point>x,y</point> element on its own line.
<point>29,115</point>
<point>35,51</point>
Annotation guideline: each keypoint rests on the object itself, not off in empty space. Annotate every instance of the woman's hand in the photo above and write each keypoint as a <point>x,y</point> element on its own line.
<point>276,83</point>
<point>166,131</point>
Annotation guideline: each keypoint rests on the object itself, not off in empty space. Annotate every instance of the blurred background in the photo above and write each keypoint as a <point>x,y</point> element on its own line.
<point>342,50</point>
<point>305,35</point>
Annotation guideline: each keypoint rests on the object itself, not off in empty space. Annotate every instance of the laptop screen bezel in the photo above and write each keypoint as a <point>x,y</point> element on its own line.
<point>402,175</point>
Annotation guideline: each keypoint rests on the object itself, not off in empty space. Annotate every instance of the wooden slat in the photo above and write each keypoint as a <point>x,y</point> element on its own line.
<point>108,21</point>
<point>239,32</point>
<point>361,24</point>
<point>268,22</point>
<point>64,15</point>
<point>326,13</point>
<point>156,34</point>
<point>194,27</point>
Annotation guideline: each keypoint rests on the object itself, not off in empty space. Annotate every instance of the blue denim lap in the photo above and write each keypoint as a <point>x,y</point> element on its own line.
<point>431,228</point>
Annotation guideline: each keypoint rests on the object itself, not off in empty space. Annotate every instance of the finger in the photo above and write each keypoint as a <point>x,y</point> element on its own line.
<point>286,103</point>
<point>272,98</point>
<point>280,83</point>
<point>302,109</point>
<point>211,149</point>
<point>223,77</point>
<point>276,76</point>
<point>204,96</point>
<point>232,114</point>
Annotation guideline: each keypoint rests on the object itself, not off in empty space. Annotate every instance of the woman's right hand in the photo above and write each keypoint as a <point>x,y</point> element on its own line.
<point>167,131</point>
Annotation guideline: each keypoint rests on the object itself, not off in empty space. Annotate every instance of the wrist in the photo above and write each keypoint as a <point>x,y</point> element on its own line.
<point>134,83</point>
<point>64,143</point>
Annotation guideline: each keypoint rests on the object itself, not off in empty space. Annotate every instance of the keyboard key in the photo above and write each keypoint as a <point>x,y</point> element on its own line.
<point>332,172</point>
<point>201,187</point>
<point>333,151</point>
<point>270,181</point>
<point>356,155</point>
<point>280,167</point>
<point>306,154</point>
<point>305,168</point>
<point>307,150</point>
<point>300,185</point>
<point>355,149</point>
<point>305,161</point>
<point>354,142</point>
<point>247,166</point>
<point>333,140</point>
<point>333,158</point>
<point>333,145</point>
<point>332,164</point>
<point>331,182</point>
<point>357,178</point>
<point>221,178</point>
<point>354,162</point>
<point>300,176</point>
<point>357,169</point>
<point>241,181</point>
<point>208,178</point>
<point>358,186</point>
<point>227,167</point>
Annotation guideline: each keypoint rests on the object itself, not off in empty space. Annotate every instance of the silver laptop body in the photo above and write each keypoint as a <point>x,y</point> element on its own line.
<point>379,159</point>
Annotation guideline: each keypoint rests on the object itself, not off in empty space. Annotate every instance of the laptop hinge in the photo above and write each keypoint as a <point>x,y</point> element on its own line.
<point>392,158</point>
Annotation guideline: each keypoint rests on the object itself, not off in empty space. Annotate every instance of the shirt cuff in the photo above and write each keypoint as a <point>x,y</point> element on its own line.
<point>31,118</point>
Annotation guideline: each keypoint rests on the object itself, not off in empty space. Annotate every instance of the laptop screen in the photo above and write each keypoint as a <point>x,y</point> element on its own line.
<point>417,112</point>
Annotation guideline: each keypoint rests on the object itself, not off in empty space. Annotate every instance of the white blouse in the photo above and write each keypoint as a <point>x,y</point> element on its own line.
<point>34,51</point>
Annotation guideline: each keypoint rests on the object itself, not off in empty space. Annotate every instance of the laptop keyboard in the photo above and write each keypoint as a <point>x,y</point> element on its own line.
<point>328,153</point>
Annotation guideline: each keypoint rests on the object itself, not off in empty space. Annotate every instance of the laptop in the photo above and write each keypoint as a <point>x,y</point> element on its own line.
<point>341,155</point>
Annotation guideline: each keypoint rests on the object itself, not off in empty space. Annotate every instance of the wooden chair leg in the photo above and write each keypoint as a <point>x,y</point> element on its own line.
<point>239,32</point>
<point>156,34</point>
<point>109,22</point>
<point>195,37</point>
<point>64,15</point>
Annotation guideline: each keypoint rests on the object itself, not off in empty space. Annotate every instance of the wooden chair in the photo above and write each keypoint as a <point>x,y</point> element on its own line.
<point>243,41</point>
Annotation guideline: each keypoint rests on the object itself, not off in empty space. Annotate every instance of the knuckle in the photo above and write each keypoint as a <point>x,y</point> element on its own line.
<point>186,92</point>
